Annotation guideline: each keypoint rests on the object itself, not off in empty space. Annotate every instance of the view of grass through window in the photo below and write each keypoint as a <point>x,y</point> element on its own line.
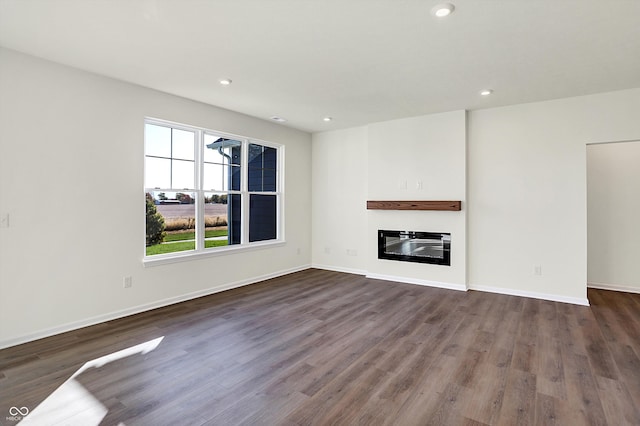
<point>172,217</point>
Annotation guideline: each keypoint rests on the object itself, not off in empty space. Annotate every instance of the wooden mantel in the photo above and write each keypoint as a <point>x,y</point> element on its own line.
<point>415,205</point>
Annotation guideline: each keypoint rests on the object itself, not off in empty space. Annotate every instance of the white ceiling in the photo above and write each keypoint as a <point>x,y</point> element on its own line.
<point>359,61</point>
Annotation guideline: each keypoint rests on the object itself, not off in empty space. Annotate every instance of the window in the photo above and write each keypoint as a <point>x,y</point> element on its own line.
<point>206,191</point>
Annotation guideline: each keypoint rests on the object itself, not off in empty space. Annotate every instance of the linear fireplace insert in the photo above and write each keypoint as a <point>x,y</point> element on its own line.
<point>415,246</point>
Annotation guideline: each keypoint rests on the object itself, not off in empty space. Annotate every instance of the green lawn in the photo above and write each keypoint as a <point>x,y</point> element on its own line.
<point>215,243</point>
<point>187,242</point>
<point>191,235</point>
<point>171,248</point>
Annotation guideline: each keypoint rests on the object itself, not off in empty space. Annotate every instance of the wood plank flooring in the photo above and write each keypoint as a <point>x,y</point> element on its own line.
<point>320,347</point>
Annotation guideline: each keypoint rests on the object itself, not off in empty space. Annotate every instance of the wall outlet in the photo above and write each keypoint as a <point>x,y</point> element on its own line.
<point>537,270</point>
<point>127,282</point>
<point>299,251</point>
<point>327,250</point>
<point>352,252</point>
<point>4,220</point>
<point>419,185</point>
<point>402,184</point>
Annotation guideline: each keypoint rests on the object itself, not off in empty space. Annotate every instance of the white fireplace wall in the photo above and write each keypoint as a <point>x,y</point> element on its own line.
<point>419,158</point>
<point>373,162</point>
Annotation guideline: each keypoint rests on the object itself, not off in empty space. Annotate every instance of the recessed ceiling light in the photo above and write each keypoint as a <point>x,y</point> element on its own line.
<point>278,119</point>
<point>225,81</point>
<point>443,9</point>
<point>486,92</point>
<point>327,119</point>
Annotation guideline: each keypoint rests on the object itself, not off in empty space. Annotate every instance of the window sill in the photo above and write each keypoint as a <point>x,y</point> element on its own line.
<point>164,259</point>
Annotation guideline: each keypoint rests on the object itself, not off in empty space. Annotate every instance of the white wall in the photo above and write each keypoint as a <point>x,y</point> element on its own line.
<point>339,194</point>
<point>527,191</point>
<point>71,177</point>
<point>613,216</point>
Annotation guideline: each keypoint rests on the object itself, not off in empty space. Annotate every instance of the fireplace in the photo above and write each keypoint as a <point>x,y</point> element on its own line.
<point>415,246</point>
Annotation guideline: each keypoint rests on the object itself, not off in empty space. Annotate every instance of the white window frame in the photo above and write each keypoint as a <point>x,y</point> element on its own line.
<point>200,251</point>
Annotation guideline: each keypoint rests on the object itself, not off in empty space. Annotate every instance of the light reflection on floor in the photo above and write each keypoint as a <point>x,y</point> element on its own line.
<point>71,404</point>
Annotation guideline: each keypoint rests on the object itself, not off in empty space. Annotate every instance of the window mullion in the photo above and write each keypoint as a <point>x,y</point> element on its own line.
<point>171,161</point>
<point>280,194</point>
<point>244,186</point>
<point>199,164</point>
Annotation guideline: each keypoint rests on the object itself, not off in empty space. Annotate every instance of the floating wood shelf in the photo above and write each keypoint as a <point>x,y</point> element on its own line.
<point>415,205</point>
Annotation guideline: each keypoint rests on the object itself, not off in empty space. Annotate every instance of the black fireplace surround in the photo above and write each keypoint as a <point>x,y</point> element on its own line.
<point>415,246</point>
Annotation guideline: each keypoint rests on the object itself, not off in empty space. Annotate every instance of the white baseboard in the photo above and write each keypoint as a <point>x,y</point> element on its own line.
<point>462,287</point>
<point>531,294</point>
<point>449,286</point>
<point>182,298</point>
<point>614,287</point>
<point>142,308</point>
<point>339,269</point>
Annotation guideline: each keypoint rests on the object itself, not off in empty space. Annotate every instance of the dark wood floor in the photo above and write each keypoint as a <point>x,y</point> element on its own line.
<point>320,347</point>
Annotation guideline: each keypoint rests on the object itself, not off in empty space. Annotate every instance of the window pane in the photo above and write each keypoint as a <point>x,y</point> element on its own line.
<point>182,174</point>
<point>157,140</point>
<point>221,150</point>
<point>235,220</point>
<point>262,180</point>
<point>234,178</point>
<point>262,156</point>
<point>176,211</point>
<point>262,217</point>
<point>269,180</point>
<point>255,179</point>
<point>221,177</point>
<point>255,155</point>
<point>211,154</point>
<point>234,150</point>
<point>269,158</point>
<point>217,211</point>
<point>262,168</point>
<point>183,144</point>
<point>157,173</point>
<point>213,176</point>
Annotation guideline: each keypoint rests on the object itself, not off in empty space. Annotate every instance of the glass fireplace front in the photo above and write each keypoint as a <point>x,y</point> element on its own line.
<point>415,246</point>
